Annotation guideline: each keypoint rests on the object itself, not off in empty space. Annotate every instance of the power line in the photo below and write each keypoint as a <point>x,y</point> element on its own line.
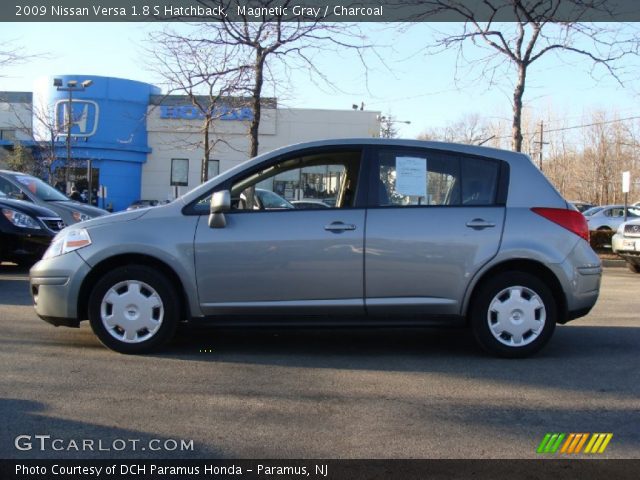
<point>574,127</point>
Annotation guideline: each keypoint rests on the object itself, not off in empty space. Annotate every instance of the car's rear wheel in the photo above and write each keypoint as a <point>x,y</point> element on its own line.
<point>133,309</point>
<point>513,314</point>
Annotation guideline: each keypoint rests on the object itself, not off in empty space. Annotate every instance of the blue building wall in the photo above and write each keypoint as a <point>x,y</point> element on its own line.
<point>109,127</point>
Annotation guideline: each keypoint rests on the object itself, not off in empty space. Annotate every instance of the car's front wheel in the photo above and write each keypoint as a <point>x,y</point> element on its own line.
<point>133,309</point>
<point>513,314</point>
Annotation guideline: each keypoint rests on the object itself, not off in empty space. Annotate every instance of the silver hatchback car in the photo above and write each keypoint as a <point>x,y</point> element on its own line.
<point>421,233</point>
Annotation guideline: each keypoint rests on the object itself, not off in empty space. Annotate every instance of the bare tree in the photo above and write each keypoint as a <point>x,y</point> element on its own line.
<point>268,37</point>
<point>585,161</point>
<point>10,56</point>
<point>42,131</point>
<point>534,34</point>
<point>207,74</point>
<point>469,129</point>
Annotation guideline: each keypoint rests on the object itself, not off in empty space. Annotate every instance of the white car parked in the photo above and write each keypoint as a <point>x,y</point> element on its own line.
<point>626,243</point>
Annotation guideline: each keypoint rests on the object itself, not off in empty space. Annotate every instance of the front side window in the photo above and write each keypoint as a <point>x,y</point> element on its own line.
<point>409,178</point>
<point>327,180</point>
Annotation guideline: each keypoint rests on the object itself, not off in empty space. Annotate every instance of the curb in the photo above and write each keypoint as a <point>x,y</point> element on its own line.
<point>614,263</point>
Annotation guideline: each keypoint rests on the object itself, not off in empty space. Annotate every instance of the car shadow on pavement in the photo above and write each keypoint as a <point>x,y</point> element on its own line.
<point>583,358</point>
<point>28,418</point>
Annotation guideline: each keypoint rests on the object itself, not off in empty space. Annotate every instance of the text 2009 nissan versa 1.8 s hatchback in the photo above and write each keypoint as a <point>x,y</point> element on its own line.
<point>421,233</point>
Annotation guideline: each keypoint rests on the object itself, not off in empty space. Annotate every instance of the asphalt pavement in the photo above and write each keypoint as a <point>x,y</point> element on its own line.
<point>315,394</point>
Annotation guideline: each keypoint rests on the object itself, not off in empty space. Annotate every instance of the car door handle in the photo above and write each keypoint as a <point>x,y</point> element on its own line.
<point>339,227</point>
<point>480,224</point>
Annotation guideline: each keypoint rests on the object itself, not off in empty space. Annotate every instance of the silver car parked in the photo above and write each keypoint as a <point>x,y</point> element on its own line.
<point>422,233</point>
<point>609,217</point>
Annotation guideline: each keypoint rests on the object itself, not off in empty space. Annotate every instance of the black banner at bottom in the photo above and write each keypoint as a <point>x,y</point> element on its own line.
<point>318,469</point>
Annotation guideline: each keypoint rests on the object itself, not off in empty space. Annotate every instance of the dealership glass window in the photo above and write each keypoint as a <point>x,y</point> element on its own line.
<point>7,134</point>
<point>179,172</point>
<point>213,168</point>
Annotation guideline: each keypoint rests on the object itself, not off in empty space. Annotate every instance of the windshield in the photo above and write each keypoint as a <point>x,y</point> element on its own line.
<point>271,200</point>
<point>591,211</point>
<point>40,189</point>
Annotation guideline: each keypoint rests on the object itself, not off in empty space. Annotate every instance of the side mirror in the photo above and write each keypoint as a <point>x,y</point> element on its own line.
<point>220,203</point>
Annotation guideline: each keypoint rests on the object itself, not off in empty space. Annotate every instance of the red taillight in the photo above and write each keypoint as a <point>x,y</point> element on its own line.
<point>572,220</point>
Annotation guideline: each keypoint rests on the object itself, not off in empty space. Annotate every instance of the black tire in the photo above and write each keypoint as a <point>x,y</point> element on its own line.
<point>480,316</point>
<point>160,290</point>
<point>634,267</point>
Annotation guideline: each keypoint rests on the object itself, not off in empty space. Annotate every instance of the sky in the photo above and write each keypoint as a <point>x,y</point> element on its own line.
<point>401,80</point>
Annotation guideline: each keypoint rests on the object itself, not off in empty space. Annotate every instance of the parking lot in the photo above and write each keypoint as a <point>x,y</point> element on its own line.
<point>319,394</point>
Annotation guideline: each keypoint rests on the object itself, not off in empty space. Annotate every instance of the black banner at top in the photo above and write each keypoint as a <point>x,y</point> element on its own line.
<point>318,10</point>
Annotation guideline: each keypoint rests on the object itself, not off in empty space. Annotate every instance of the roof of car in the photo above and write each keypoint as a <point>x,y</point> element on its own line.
<point>448,146</point>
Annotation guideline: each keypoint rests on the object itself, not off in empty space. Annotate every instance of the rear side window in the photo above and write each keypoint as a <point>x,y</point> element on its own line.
<point>479,181</point>
<point>422,178</point>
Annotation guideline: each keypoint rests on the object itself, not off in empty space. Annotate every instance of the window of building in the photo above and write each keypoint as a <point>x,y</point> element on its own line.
<point>179,172</point>
<point>213,168</point>
<point>6,134</point>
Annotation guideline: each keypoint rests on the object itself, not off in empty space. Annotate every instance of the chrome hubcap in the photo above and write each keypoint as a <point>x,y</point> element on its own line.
<point>131,311</point>
<point>516,316</point>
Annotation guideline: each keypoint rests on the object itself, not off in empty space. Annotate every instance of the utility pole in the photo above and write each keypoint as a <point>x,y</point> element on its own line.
<point>540,143</point>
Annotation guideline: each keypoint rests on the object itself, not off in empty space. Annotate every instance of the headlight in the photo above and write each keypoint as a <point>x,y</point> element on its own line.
<point>79,216</point>
<point>68,241</point>
<point>19,219</point>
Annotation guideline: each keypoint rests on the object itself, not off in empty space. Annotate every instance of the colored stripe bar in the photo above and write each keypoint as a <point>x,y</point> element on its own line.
<point>582,442</point>
<point>606,442</point>
<point>543,443</point>
<point>555,447</point>
<point>567,443</point>
<point>574,444</point>
<point>551,442</point>
<point>594,437</point>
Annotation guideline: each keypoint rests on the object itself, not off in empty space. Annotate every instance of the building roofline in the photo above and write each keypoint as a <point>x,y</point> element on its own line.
<point>179,100</point>
<point>16,97</point>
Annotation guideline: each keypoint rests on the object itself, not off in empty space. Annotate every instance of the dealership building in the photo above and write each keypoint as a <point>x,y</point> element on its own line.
<point>141,144</point>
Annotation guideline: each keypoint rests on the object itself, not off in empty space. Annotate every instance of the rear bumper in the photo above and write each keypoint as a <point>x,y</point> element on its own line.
<point>580,275</point>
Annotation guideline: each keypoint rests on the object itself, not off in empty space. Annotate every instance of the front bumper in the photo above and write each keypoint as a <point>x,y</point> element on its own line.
<point>55,285</point>
<point>627,248</point>
<point>19,245</point>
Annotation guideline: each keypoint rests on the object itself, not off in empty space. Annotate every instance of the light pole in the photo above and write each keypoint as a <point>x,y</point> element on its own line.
<point>72,86</point>
<point>386,126</point>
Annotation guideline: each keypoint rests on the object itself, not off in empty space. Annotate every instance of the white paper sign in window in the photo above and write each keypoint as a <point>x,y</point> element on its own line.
<point>411,176</point>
